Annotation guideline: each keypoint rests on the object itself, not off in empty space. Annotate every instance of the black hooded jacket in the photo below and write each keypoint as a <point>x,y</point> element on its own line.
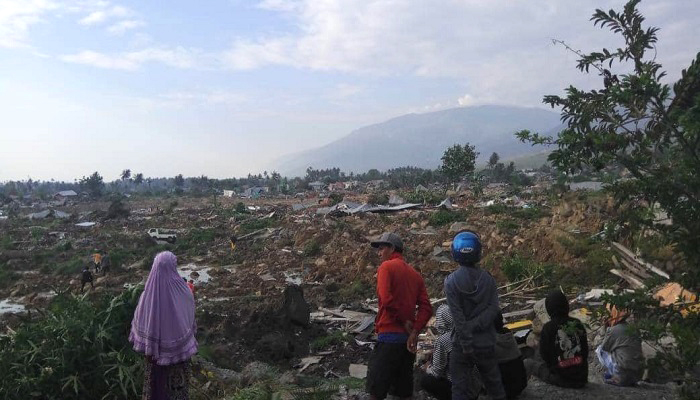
<point>563,343</point>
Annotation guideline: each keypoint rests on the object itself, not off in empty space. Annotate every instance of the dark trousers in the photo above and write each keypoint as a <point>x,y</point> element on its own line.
<point>83,286</point>
<point>465,385</point>
<point>438,387</point>
<point>390,371</point>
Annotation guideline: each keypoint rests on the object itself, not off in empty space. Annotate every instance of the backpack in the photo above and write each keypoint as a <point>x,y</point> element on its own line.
<point>567,344</point>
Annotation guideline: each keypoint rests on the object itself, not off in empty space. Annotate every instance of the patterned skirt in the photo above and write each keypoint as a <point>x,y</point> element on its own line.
<point>169,382</point>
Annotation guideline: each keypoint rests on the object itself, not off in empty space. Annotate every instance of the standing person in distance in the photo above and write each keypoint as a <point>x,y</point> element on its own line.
<point>400,288</point>
<point>473,300</point>
<point>163,329</point>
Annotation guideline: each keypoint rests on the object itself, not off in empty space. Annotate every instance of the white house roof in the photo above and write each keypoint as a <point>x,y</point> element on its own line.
<point>67,193</point>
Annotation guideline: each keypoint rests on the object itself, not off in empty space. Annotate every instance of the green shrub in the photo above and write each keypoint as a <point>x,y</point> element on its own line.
<point>312,248</point>
<point>517,267</point>
<point>255,224</point>
<point>6,242</point>
<point>77,351</point>
<point>323,342</point>
<point>241,208</point>
<point>36,233</point>
<point>444,217</point>
<point>497,209</point>
<point>259,391</point>
<point>378,198</point>
<point>7,277</point>
<point>69,267</point>
<point>507,226</point>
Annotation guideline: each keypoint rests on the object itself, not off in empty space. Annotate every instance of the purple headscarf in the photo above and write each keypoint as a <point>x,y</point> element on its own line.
<point>163,326</point>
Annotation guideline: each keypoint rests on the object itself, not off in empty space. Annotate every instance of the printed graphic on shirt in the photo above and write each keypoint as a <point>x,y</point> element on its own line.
<point>568,345</point>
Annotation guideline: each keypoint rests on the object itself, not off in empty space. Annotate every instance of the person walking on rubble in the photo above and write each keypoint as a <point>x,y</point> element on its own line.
<point>96,260</point>
<point>105,263</point>
<point>400,288</point>
<point>163,329</point>
<point>85,277</point>
<point>473,300</point>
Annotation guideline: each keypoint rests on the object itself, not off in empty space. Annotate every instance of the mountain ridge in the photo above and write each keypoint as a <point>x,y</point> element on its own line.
<point>420,139</point>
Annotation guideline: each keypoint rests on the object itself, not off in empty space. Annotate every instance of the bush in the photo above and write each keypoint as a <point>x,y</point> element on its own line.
<point>312,248</point>
<point>378,198</point>
<point>79,350</point>
<point>255,224</point>
<point>507,226</point>
<point>6,276</point>
<point>517,267</point>
<point>323,342</point>
<point>117,209</point>
<point>241,208</point>
<point>444,217</point>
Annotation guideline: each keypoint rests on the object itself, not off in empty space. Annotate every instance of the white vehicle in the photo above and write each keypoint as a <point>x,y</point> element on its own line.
<point>165,235</point>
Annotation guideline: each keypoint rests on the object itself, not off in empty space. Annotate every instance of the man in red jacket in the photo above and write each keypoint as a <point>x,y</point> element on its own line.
<point>400,288</point>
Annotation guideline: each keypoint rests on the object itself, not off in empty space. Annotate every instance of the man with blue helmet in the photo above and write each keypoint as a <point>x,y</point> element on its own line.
<point>473,300</point>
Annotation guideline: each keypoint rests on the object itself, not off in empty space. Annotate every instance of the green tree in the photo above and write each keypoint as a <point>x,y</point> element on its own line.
<point>126,174</point>
<point>637,122</point>
<point>458,162</point>
<point>138,179</point>
<point>93,184</point>
<point>493,160</point>
<point>179,181</point>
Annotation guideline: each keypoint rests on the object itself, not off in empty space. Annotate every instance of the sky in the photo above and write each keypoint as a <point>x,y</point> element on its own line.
<point>224,87</point>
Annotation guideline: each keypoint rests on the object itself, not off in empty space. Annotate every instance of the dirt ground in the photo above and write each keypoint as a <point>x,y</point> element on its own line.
<point>239,292</point>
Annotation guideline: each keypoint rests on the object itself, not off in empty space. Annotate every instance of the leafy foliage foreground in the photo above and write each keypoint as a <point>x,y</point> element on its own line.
<point>77,350</point>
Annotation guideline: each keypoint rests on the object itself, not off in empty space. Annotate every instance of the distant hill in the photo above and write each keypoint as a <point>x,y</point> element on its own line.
<point>420,139</point>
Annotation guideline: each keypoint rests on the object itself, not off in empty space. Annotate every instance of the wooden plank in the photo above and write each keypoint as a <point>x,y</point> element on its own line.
<point>635,269</point>
<point>519,313</point>
<point>629,277</point>
<point>632,258</point>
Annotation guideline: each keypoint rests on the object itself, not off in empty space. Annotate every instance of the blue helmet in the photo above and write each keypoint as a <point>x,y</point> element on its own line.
<point>466,248</point>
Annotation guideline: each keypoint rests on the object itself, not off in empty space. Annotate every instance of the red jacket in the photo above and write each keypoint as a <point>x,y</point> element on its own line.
<point>400,289</point>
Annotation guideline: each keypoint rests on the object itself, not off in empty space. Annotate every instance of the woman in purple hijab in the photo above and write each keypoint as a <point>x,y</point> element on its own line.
<point>163,329</point>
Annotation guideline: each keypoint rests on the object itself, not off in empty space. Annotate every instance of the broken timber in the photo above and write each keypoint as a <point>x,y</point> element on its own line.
<point>630,257</point>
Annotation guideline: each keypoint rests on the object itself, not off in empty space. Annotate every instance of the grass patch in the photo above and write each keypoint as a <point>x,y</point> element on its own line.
<point>255,224</point>
<point>7,242</point>
<point>517,267</point>
<point>312,248</point>
<point>354,291</point>
<point>205,351</point>
<point>578,247</point>
<point>6,276</point>
<point>507,226</point>
<point>70,267</point>
<point>444,217</point>
<point>324,342</point>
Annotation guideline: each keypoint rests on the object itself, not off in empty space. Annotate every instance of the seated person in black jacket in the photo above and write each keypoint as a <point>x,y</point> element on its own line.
<point>563,347</point>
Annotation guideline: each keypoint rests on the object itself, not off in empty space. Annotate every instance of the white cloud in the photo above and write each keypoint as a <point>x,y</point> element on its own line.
<point>122,26</point>
<point>94,18</point>
<point>105,13</point>
<point>178,57</point>
<point>16,18</point>
<point>500,48</point>
<point>344,90</point>
<point>100,60</point>
<point>466,100</point>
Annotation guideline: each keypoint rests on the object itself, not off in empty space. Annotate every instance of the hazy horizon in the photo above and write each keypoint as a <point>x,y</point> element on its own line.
<point>225,88</point>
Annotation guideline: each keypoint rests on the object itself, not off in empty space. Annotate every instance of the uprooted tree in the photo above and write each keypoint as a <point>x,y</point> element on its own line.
<point>637,122</point>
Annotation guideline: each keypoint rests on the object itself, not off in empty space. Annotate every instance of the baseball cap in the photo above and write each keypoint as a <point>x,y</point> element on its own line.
<point>389,238</point>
